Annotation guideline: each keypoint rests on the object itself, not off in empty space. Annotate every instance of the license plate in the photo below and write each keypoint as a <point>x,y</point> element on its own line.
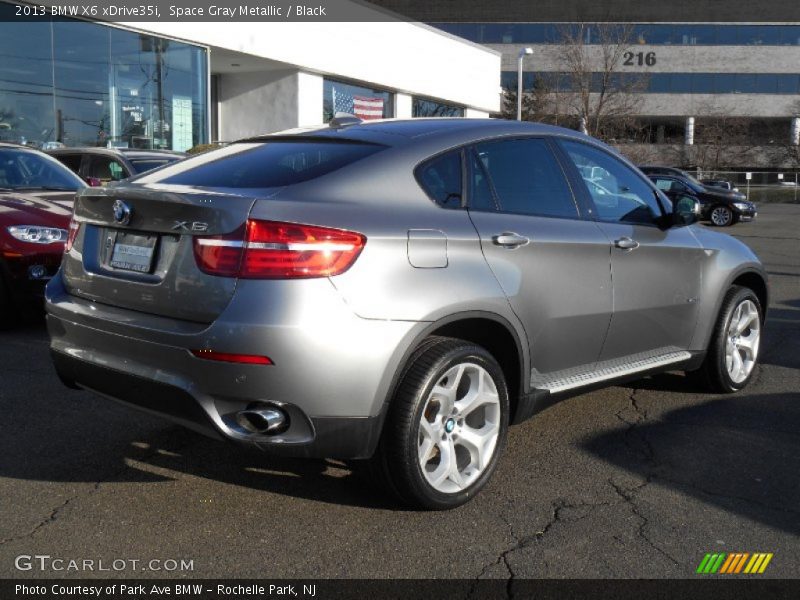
<point>134,252</point>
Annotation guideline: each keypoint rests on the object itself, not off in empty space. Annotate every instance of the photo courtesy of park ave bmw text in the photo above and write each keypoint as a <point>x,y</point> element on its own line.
<point>399,299</point>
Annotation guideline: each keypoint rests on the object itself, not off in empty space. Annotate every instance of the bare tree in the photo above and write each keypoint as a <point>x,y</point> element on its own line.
<point>721,140</point>
<point>789,151</point>
<point>537,104</point>
<point>599,94</point>
<point>8,122</point>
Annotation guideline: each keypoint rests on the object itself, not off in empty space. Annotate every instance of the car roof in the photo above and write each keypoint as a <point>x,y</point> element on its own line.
<point>17,146</point>
<point>129,152</point>
<point>395,132</point>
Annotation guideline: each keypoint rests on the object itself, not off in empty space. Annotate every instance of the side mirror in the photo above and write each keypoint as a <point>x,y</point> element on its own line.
<point>686,210</point>
<point>93,182</point>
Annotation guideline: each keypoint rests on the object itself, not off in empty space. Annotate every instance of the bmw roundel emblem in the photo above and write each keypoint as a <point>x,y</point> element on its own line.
<point>122,212</point>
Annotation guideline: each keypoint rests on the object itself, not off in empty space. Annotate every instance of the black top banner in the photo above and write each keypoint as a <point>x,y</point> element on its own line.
<point>596,11</point>
<point>428,11</point>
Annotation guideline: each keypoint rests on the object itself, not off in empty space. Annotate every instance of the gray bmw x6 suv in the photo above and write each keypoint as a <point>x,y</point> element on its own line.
<point>399,291</point>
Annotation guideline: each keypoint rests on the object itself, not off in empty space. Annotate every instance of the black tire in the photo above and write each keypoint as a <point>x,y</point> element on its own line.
<point>396,464</point>
<point>727,221</point>
<point>713,373</point>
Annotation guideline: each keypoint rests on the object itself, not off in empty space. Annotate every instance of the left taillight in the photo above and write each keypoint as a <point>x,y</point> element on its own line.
<point>277,250</point>
<point>72,233</point>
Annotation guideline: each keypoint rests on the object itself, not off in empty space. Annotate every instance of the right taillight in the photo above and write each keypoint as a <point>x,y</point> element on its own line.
<point>72,233</point>
<point>275,250</point>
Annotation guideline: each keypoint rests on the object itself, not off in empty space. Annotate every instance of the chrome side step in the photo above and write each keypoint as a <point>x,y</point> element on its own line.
<point>568,379</point>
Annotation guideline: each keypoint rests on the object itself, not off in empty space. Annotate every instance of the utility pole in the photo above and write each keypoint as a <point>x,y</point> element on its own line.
<point>522,54</point>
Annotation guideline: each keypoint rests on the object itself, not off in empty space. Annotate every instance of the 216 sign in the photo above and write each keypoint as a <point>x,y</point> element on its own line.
<point>641,59</point>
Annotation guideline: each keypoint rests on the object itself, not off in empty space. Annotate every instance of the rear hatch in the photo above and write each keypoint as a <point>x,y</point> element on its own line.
<point>135,243</point>
<point>144,259</point>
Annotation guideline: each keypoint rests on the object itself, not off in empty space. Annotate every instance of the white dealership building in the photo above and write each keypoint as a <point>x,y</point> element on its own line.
<point>175,84</point>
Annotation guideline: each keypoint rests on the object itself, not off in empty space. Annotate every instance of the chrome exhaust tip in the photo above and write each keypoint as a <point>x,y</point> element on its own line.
<point>264,421</point>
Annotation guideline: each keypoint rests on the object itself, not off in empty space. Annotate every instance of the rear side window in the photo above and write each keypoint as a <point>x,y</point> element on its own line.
<point>73,161</point>
<point>142,166</point>
<point>105,169</point>
<point>526,178</point>
<point>666,184</point>
<point>441,179</point>
<point>270,164</point>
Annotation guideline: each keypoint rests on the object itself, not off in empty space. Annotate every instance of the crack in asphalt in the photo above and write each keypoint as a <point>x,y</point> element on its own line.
<point>53,515</point>
<point>648,453</point>
<point>626,496</point>
<point>629,497</point>
<point>522,542</point>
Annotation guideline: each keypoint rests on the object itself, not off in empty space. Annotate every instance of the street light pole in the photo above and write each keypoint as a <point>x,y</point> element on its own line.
<point>522,53</point>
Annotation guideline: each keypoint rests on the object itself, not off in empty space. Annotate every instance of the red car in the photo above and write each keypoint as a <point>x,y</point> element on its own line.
<point>36,195</point>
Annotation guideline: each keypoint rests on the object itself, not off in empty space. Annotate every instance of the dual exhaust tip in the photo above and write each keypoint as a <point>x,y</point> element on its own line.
<point>263,420</point>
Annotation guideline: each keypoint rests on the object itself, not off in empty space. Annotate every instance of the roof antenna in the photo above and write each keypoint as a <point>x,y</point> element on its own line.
<point>342,119</point>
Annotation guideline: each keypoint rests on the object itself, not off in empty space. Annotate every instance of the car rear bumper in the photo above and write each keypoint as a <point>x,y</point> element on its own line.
<point>331,388</point>
<point>342,437</point>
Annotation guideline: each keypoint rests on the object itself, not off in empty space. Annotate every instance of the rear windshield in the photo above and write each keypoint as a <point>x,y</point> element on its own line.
<point>273,164</point>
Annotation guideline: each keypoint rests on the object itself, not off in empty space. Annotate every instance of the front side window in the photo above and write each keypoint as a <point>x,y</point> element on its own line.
<point>526,178</point>
<point>441,178</point>
<point>619,194</point>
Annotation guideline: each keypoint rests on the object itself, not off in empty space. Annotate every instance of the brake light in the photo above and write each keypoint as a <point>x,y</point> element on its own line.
<point>72,233</point>
<point>273,250</point>
<point>245,359</point>
<point>220,255</point>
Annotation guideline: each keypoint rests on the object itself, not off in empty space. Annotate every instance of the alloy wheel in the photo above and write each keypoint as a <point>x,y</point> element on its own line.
<point>721,216</point>
<point>742,341</point>
<point>459,428</point>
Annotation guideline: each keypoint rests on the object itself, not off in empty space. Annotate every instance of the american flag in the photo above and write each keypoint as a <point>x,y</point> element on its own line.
<point>363,107</point>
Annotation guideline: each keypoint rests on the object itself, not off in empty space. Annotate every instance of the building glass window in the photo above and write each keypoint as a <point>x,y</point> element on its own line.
<point>667,83</point>
<point>365,103</point>
<point>74,83</point>
<point>688,34</point>
<point>26,81</point>
<point>422,107</point>
<point>788,84</point>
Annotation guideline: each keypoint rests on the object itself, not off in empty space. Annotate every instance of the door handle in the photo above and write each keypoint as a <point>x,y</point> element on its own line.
<point>626,243</point>
<point>509,239</point>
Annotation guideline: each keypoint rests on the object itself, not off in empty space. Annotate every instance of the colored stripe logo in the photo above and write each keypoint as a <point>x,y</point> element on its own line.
<point>734,563</point>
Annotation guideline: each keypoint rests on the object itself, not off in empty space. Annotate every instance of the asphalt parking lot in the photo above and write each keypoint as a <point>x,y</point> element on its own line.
<point>639,480</point>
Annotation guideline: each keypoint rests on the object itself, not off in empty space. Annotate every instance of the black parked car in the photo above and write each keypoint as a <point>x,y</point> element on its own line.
<point>721,207</point>
<point>658,170</point>
<point>99,166</point>
<point>718,183</point>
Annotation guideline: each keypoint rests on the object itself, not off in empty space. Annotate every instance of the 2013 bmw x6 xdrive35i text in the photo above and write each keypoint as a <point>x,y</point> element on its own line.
<point>398,291</point>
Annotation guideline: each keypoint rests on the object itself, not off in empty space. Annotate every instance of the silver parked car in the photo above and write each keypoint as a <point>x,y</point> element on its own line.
<point>398,291</point>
